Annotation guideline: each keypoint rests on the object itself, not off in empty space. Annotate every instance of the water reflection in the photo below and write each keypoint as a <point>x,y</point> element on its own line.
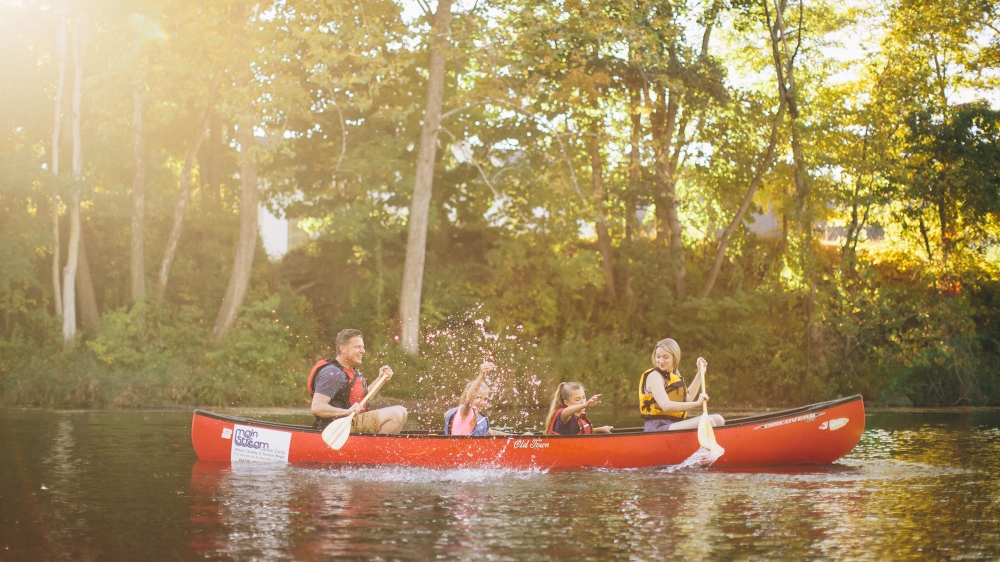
<point>63,509</point>
<point>125,486</point>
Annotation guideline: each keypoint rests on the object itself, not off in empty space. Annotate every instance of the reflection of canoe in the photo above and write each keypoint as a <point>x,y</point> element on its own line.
<point>819,434</point>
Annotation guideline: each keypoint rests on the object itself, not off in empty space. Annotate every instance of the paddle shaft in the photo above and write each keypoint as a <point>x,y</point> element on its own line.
<point>336,434</point>
<point>371,392</point>
<point>377,386</point>
<point>704,390</point>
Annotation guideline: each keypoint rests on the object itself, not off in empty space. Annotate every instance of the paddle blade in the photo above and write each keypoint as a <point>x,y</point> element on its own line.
<point>336,434</point>
<point>706,435</point>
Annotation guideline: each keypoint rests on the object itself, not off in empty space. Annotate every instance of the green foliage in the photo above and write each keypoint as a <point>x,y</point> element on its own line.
<point>170,359</point>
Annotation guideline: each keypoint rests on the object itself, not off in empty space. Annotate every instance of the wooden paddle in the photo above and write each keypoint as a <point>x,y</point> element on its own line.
<point>706,434</point>
<point>336,434</point>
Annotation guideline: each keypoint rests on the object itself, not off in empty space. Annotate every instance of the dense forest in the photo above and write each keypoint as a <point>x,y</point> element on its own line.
<point>805,192</point>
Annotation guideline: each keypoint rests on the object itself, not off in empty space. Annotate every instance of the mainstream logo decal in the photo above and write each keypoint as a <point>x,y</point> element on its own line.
<point>256,444</point>
<point>804,417</point>
<point>245,438</point>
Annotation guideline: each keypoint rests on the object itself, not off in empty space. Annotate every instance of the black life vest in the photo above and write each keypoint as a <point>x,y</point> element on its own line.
<point>352,392</point>
<point>585,427</point>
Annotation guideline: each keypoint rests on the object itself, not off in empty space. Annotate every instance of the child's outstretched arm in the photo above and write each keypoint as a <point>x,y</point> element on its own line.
<point>471,389</point>
<point>573,410</point>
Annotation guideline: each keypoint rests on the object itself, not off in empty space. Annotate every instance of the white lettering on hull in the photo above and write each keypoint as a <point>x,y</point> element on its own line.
<point>530,444</point>
<point>786,421</point>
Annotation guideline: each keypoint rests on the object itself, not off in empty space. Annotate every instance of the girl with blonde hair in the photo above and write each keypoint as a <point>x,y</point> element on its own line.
<point>664,397</point>
<point>567,413</point>
<point>467,417</point>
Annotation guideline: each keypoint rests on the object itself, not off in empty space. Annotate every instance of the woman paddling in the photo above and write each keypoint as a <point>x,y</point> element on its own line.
<point>664,398</point>
<point>467,417</point>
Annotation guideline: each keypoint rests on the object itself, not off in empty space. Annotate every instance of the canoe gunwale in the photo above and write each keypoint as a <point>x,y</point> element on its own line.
<point>423,434</point>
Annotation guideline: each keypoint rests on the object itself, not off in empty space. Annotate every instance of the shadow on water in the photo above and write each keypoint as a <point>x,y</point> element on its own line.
<point>125,485</point>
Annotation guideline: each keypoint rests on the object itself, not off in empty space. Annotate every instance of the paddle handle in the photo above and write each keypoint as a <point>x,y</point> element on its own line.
<point>371,392</point>
<point>376,386</point>
<point>704,405</point>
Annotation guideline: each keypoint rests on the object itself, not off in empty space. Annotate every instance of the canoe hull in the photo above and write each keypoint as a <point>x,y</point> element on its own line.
<point>815,434</point>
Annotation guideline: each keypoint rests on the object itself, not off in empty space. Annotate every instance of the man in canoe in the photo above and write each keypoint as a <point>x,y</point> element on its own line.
<point>338,387</point>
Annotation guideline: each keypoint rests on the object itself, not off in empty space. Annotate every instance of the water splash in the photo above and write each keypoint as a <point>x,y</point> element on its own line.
<point>702,458</point>
<point>413,475</point>
<point>450,357</point>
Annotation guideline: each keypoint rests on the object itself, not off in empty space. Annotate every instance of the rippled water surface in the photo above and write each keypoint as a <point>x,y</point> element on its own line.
<point>126,485</point>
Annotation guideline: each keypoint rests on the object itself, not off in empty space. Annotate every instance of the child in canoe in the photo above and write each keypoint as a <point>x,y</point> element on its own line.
<point>567,414</point>
<point>466,419</point>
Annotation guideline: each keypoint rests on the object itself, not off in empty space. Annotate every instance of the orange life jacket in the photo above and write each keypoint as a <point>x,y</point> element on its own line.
<point>352,393</point>
<point>586,428</point>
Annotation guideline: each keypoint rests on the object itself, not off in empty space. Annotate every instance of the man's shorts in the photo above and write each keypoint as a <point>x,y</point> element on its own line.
<point>367,422</point>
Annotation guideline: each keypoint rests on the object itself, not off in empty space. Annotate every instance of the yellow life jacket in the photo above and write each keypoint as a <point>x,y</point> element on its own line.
<point>676,389</point>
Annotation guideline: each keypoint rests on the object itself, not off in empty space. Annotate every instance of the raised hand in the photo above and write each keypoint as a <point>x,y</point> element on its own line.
<point>595,400</point>
<point>385,371</point>
<point>487,367</point>
<point>702,365</point>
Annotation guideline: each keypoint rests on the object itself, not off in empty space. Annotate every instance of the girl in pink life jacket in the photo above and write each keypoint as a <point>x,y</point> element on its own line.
<point>467,418</point>
<point>567,414</point>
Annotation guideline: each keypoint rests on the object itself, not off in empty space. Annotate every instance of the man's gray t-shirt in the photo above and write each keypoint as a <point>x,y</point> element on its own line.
<point>329,381</point>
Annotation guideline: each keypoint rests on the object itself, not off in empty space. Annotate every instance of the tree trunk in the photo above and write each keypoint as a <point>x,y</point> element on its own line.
<point>758,177</point>
<point>56,131</point>
<point>634,166</point>
<point>710,16</point>
<point>601,225</point>
<point>89,313</point>
<point>944,218</point>
<point>676,240</point>
<point>69,274</point>
<point>632,224</point>
<point>239,280</point>
<point>138,263</point>
<point>784,62</point>
<point>666,200</point>
<point>72,253</point>
<point>210,159</point>
<point>848,253</point>
<point>185,192</point>
<point>416,241</point>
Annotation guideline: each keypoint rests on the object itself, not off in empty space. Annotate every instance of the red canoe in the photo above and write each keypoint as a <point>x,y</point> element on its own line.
<point>815,434</point>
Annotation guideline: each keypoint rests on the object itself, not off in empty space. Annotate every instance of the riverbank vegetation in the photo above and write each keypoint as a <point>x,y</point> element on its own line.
<point>806,194</point>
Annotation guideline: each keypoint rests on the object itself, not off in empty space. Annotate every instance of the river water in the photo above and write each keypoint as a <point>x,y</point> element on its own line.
<point>127,486</point>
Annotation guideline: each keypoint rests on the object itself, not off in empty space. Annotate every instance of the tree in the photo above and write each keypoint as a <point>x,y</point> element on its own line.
<point>954,168</point>
<point>56,130</point>
<point>137,263</point>
<point>416,241</point>
<point>185,192</point>
<point>245,94</point>
<point>73,252</point>
<point>246,245</point>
